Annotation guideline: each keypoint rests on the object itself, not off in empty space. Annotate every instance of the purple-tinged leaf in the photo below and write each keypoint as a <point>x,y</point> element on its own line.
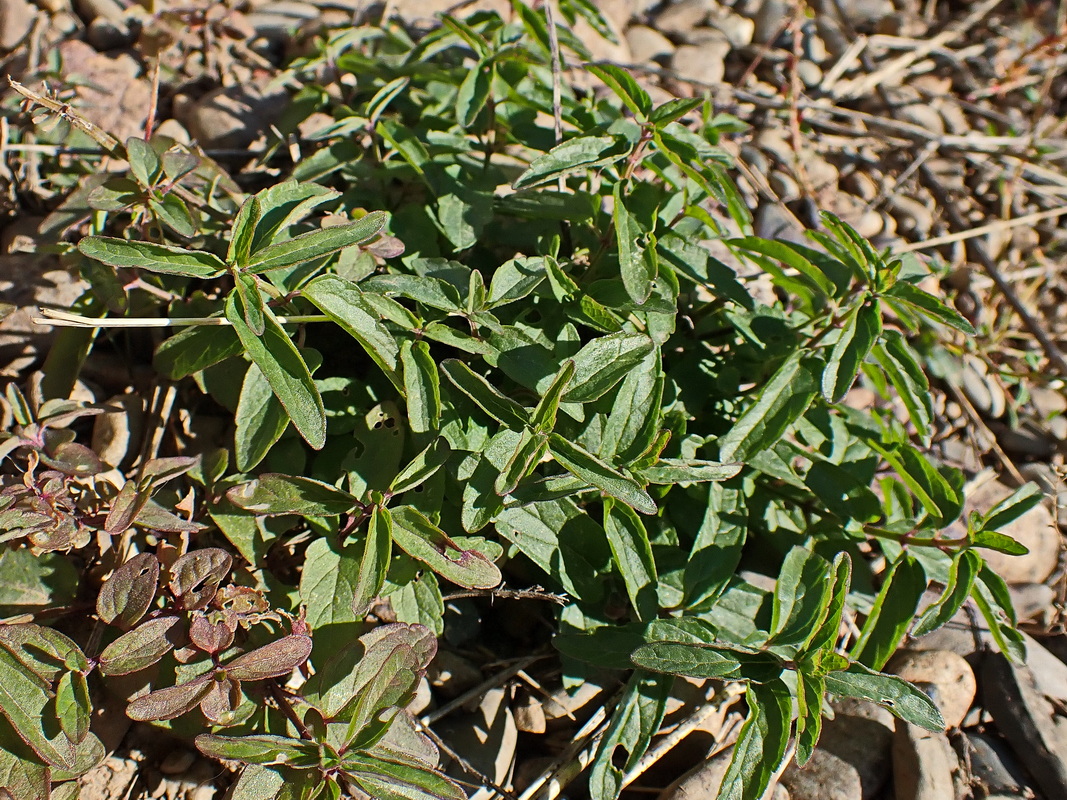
<point>272,660</point>
<point>195,577</point>
<point>127,595</point>
<point>221,701</point>
<point>141,647</point>
<point>170,702</point>
<point>125,507</point>
<point>210,635</point>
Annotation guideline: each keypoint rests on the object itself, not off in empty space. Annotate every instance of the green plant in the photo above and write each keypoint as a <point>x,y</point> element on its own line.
<point>503,355</point>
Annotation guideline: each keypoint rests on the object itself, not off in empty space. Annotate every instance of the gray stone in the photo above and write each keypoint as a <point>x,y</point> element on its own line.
<point>16,20</point>
<point>770,20</point>
<point>705,779</point>
<point>911,215</point>
<point>994,766</point>
<point>775,221</point>
<point>702,63</point>
<point>647,44</point>
<point>1028,721</point>
<point>1028,439</point>
<point>810,73</point>
<point>982,389</point>
<point>232,116</point>
<point>923,764</point>
<point>737,29</point>
<point>784,186</point>
<point>948,674</point>
<point>851,762</point>
<point>682,17</point>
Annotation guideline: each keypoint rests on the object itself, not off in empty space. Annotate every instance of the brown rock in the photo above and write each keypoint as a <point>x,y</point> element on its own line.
<point>704,780</point>
<point>950,676</point>
<point>231,116</point>
<point>680,18</point>
<point>702,63</point>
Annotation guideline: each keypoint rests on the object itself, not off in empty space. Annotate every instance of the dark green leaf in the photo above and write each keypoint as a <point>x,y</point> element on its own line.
<point>374,563</point>
<point>857,338</point>
<point>892,613</point>
<point>801,596</point>
<point>144,163</point>
<point>902,368</point>
<point>285,370</point>
<point>284,494</point>
<point>895,694</point>
<point>637,260</point>
<point>761,744</point>
<point>244,228</point>
<point>999,542</point>
<point>262,749</point>
<point>24,700</point>
<point>501,408</point>
<point>635,721</point>
<point>1012,507</point>
<point>152,257</point>
<point>473,93</point>
<point>422,388</point>
<point>632,554</point>
<point>591,469</point>
<point>668,471</point>
<point>961,576</point>
<point>603,362</point>
<point>625,87</point>
<point>316,244</point>
<point>260,417</point>
<point>195,348</point>
<point>423,540</point>
<point>583,152</point>
<point>674,109</point>
<point>708,661</point>
<point>344,303</point>
<point>253,309</point>
<point>930,306</point>
<point>783,399</point>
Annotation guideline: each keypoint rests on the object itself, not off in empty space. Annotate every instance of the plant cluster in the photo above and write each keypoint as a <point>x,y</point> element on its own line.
<point>478,333</point>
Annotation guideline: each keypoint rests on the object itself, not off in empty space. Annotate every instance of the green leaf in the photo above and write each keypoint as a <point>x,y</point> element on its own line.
<point>274,494</point>
<point>515,279</point>
<point>669,471</point>
<point>24,700</point>
<point>791,257</point>
<point>782,401</point>
<point>328,582</point>
<point>489,399</point>
<point>716,549</point>
<point>810,691</point>
<point>285,370</point>
<point>374,562</point>
<point>625,87</point>
<point>73,706</point>
<point>344,303</point>
<point>261,749</point>
<point>930,306</point>
<point>473,93</point>
<point>637,259</point>
<point>857,338</point>
<point>902,369</point>
<point>244,228</point>
<point>1012,507</point>
<point>172,212</point>
<point>708,661</point>
<point>961,576</point>
<point>391,780</point>
<point>603,362</point>
<point>942,501</point>
<point>583,152</point>
<point>316,244</point>
<point>543,419</point>
<point>195,348</point>
<point>160,258</point>
<point>635,721</point>
<point>635,414</point>
<point>761,744</point>
<point>528,452</point>
<point>674,109</point>
<point>801,596</point>
<point>260,417</point>
<point>892,613</point>
<point>423,467</point>
<point>253,309</point>
<point>990,594</point>
<point>889,691</point>
<point>422,388</point>
<point>589,468</point>
<point>632,554</point>
<point>824,636</point>
<point>423,540</point>
<point>999,542</point>
<point>144,163</point>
